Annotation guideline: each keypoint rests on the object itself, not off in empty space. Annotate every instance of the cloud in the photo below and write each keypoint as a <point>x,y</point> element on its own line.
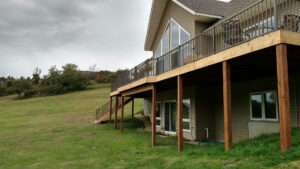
<point>38,33</point>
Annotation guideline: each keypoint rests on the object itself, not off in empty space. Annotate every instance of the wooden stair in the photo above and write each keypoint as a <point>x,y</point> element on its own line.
<point>103,112</point>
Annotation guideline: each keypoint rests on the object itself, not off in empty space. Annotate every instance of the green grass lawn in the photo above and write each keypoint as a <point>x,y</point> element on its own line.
<point>55,132</point>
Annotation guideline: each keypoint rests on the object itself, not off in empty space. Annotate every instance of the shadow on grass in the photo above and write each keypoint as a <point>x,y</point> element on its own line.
<point>263,151</point>
<point>129,124</point>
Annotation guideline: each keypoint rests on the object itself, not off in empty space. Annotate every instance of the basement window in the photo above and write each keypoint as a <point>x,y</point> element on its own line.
<point>157,113</point>
<point>186,115</point>
<point>158,116</point>
<point>263,106</point>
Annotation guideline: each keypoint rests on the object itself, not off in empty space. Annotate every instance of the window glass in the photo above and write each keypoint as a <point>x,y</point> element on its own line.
<point>165,41</point>
<point>186,125</point>
<point>167,116</point>
<point>175,35</point>
<point>184,37</point>
<point>185,51</point>
<point>270,105</point>
<point>166,63</point>
<point>157,122</point>
<point>158,52</point>
<point>186,104</point>
<point>256,103</point>
<point>186,109</point>
<point>173,116</point>
<point>157,110</point>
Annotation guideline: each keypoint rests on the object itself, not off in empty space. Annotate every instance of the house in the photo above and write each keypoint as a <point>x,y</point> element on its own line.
<point>220,71</point>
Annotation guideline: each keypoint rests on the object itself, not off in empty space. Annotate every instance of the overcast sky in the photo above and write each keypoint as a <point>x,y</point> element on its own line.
<point>42,33</point>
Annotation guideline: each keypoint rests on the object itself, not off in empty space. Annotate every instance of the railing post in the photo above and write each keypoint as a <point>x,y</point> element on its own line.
<point>275,14</point>
<point>214,41</point>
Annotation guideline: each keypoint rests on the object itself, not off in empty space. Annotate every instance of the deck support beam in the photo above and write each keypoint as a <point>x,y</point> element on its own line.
<point>283,97</point>
<point>110,109</point>
<point>227,105</point>
<point>179,113</point>
<point>116,111</point>
<point>153,116</point>
<point>132,113</point>
<point>122,115</point>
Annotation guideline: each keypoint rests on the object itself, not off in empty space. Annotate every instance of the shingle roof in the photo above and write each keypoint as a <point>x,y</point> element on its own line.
<point>214,7</point>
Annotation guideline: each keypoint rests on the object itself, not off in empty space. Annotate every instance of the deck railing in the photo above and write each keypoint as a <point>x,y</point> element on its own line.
<point>262,17</point>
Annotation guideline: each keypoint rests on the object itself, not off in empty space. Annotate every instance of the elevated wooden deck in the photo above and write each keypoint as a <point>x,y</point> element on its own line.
<point>268,40</point>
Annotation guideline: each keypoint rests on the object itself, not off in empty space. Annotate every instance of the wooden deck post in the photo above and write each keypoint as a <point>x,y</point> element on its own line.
<point>110,109</point>
<point>283,97</point>
<point>179,113</point>
<point>153,116</point>
<point>227,106</point>
<point>116,111</point>
<point>122,115</point>
<point>132,113</point>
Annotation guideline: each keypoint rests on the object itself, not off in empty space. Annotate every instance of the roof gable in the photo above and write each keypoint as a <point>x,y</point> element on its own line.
<point>202,8</point>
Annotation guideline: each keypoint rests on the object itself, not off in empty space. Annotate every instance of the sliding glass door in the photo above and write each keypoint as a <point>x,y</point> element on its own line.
<point>170,116</point>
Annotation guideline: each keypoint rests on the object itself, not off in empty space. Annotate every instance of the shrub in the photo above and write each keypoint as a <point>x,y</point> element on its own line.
<point>22,85</point>
<point>2,91</point>
<point>29,93</point>
<point>62,82</point>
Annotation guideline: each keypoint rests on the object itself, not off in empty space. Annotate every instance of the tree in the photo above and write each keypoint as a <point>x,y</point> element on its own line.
<point>9,84</point>
<point>36,76</point>
<point>93,68</point>
<point>22,85</point>
<point>92,72</point>
<point>70,68</point>
<point>2,81</point>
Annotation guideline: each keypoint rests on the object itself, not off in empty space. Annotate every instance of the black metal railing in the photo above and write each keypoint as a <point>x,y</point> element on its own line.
<point>102,110</point>
<point>105,107</point>
<point>260,18</point>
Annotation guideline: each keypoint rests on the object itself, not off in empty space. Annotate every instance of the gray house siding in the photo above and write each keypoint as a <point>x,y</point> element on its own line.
<point>207,118</point>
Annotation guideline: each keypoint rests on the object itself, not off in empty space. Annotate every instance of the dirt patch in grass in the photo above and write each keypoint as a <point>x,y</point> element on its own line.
<point>236,163</point>
<point>146,121</point>
<point>291,165</point>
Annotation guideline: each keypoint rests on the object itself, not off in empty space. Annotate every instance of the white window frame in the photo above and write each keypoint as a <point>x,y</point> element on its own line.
<point>188,120</point>
<point>158,118</point>
<point>263,118</point>
<point>180,28</point>
<point>170,36</point>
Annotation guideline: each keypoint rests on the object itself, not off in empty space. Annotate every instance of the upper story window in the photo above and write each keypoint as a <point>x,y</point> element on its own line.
<point>173,36</point>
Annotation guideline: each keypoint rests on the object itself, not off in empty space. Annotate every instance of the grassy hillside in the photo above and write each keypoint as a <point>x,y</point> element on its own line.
<point>55,132</point>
